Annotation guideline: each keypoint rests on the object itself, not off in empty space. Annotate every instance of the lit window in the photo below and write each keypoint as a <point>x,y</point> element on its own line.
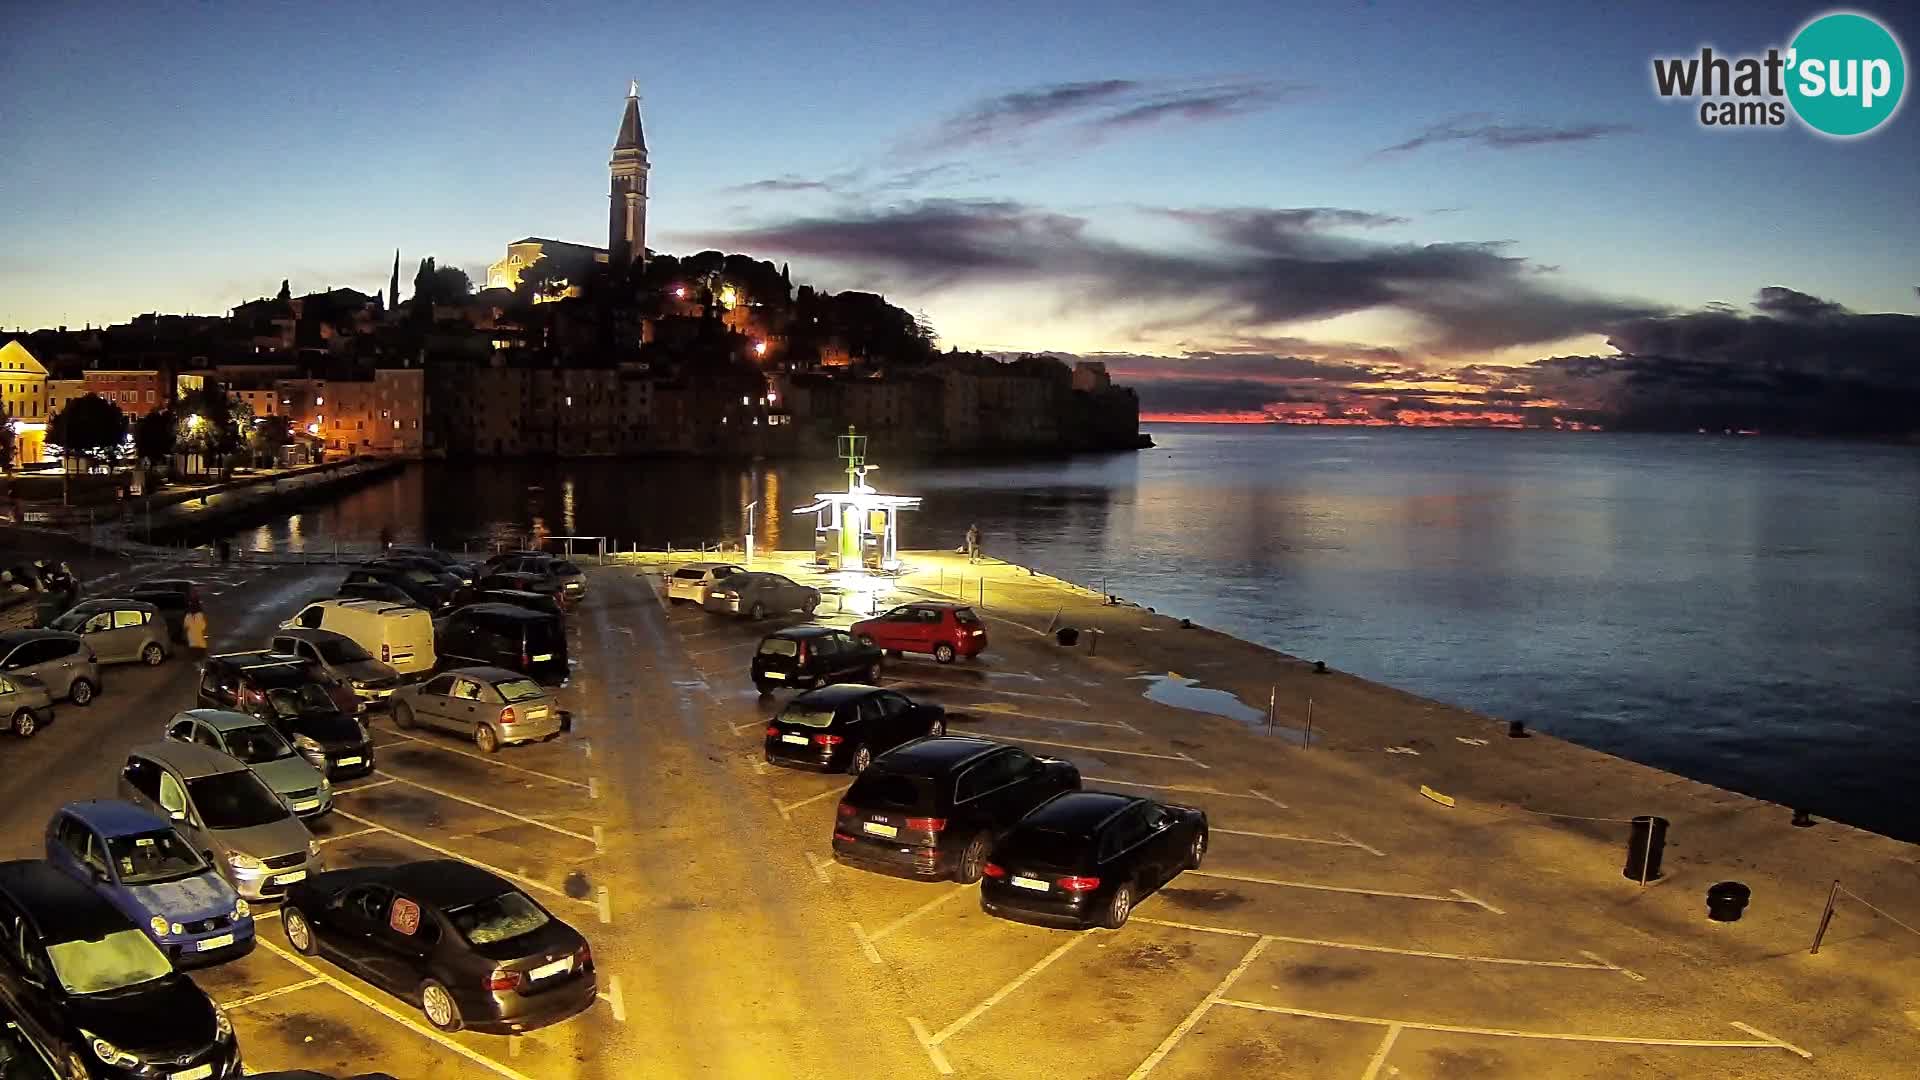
<point>319,401</point>
<point>396,425</point>
<point>569,401</point>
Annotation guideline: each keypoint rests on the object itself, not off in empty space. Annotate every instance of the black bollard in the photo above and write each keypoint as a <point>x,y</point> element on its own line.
<point>1726,900</point>
<point>1517,729</point>
<point>1319,667</point>
<point>1802,819</point>
<point>1067,636</point>
<point>1645,846</point>
<point>1186,624</point>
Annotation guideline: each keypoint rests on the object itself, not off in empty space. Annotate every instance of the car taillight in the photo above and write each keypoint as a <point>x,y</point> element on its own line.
<point>503,980</point>
<point>386,653</point>
<point>838,835</point>
<point>927,824</point>
<point>1078,884</point>
<point>583,959</point>
<point>772,732</point>
<point>507,715</point>
<point>800,654</point>
<point>846,809</point>
<point>994,870</point>
<point>829,740</point>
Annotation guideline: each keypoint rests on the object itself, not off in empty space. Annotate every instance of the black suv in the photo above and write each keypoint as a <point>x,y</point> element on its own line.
<point>300,702</point>
<point>430,594</point>
<point>808,656</point>
<point>504,635</point>
<point>843,728</point>
<point>934,807</point>
<point>93,989</point>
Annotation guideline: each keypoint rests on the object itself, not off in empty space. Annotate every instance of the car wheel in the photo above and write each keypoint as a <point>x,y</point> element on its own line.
<point>765,687</point>
<point>757,612</point>
<point>485,739</point>
<point>80,693</point>
<point>873,673</point>
<point>437,1002</point>
<point>938,727</point>
<point>153,655</point>
<point>24,725</point>
<point>862,758</point>
<point>1118,908</point>
<point>403,716</point>
<point>943,653</point>
<point>973,859</point>
<point>1198,851</point>
<point>299,932</point>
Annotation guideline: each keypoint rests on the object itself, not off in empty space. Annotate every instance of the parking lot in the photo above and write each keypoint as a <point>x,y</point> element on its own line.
<point>1321,938</point>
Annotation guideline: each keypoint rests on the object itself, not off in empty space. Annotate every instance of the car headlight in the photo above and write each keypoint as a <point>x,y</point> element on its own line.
<point>306,744</point>
<point>222,1027</point>
<point>158,924</point>
<point>240,861</point>
<point>108,1053</point>
<point>241,910</point>
<point>326,784</point>
<point>313,849</point>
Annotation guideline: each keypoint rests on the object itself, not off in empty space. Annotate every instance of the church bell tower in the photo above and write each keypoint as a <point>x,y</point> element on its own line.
<point>627,225</point>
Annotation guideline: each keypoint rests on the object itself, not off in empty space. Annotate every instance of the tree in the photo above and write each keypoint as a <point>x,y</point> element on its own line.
<point>6,440</point>
<point>153,437</point>
<point>286,290</point>
<point>267,437</point>
<point>90,426</point>
<point>206,425</point>
<point>451,283</point>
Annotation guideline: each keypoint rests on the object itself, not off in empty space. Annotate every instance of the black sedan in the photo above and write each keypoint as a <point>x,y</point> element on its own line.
<point>1086,857</point>
<point>330,740</point>
<point>90,987</point>
<point>842,728</point>
<point>470,949</point>
<point>934,807</point>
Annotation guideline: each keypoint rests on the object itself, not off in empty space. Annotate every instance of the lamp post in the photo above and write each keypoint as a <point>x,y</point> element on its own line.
<point>751,507</point>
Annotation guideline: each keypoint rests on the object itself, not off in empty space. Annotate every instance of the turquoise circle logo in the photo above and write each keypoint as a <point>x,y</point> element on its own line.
<point>1848,74</point>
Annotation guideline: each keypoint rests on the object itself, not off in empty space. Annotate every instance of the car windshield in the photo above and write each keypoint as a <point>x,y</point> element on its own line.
<point>294,700</point>
<point>518,690</point>
<point>565,568</point>
<point>257,745</point>
<point>502,918</point>
<point>234,800</point>
<point>808,715</point>
<point>71,622</point>
<point>341,651</point>
<point>151,858</point>
<point>779,646</point>
<point>121,959</point>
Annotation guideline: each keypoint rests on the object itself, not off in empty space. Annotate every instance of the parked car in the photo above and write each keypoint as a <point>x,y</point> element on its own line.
<point>507,636</point>
<point>371,681</point>
<point>426,572</point>
<point>139,864</point>
<point>394,586</point>
<point>757,594</point>
<point>384,591</point>
<point>25,703</point>
<point>546,585</point>
<point>63,662</point>
<point>171,596</point>
<point>690,583</point>
<point>225,812</point>
<point>544,603</point>
<point>809,656</point>
<point>941,627</point>
<point>330,738</point>
<point>843,728</point>
<point>21,1058</point>
<point>90,987</point>
<point>117,630</point>
<point>468,947</point>
<point>240,680</point>
<point>934,807</point>
<point>1085,858</point>
<point>492,706</point>
<point>463,569</point>
<point>399,636</point>
<point>259,746</point>
<point>502,558</point>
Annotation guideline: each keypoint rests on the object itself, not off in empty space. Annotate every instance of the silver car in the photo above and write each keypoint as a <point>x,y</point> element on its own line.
<point>492,706</point>
<point>256,744</point>
<point>25,704</point>
<point>691,582</point>
<point>60,660</point>
<point>341,657</point>
<point>225,812</point>
<point>118,631</point>
<point>757,595</point>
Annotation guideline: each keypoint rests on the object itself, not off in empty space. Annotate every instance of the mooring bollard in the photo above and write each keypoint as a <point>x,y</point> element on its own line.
<point>1646,844</point>
<point>1802,819</point>
<point>1517,729</point>
<point>1726,900</point>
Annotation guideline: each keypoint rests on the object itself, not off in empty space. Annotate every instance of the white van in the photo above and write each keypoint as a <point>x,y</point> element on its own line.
<point>399,635</point>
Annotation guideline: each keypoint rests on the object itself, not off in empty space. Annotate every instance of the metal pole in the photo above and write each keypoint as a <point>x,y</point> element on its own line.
<point>1272,692</point>
<point>1309,738</point>
<point>983,590</point>
<point>1825,917</point>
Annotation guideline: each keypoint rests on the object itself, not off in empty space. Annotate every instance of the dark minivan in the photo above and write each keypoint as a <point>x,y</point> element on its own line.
<point>504,635</point>
<point>808,656</point>
<point>843,728</point>
<point>934,808</point>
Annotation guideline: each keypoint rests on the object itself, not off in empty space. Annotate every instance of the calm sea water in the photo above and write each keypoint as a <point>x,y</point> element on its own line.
<point>1742,611</point>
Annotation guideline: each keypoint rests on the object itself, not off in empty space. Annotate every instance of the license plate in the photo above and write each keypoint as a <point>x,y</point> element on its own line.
<point>554,968</point>
<point>1029,883</point>
<point>288,879</point>
<point>798,740</point>
<point>878,829</point>
<point>575,586</point>
<point>350,761</point>
<point>303,805</point>
<point>198,1072</point>
<point>212,943</point>
<point>774,675</point>
<point>542,658</point>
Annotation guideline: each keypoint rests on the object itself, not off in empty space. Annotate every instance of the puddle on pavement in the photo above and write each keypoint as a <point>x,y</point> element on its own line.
<point>1184,693</point>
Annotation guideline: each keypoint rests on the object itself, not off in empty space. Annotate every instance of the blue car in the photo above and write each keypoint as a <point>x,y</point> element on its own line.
<point>137,861</point>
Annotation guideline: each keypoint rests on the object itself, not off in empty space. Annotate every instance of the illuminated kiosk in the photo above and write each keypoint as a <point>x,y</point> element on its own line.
<point>859,528</point>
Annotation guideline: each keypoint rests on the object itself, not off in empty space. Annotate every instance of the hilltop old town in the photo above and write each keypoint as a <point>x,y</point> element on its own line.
<point>567,350</point>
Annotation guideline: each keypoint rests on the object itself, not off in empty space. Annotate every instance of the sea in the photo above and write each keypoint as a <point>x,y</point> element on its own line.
<point>1744,611</point>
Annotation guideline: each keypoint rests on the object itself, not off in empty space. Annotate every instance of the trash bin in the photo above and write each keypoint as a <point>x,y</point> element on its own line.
<point>1726,900</point>
<point>1067,636</point>
<point>1645,845</point>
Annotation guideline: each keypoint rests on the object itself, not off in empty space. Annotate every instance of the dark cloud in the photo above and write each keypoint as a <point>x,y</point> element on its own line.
<point>1092,110</point>
<point>1261,268</point>
<point>1793,304</point>
<point>783,184</point>
<point>1504,136</point>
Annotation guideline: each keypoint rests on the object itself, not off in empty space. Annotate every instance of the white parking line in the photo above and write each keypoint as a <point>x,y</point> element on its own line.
<point>735,647</point>
<point>368,786</point>
<point>603,900</point>
<point>934,1054</point>
<point>522,818</point>
<point>931,1043</point>
<point>495,762</point>
<point>820,867</point>
<point>916,912</point>
<point>1185,789</point>
<point>1344,841</point>
<point>1458,897</point>
<point>1380,1054</point>
<point>988,691</point>
<point>437,849</point>
<point>787,809</point>
<point>738,728</point>
<point>397,1017</point>
<point>614,999</point>
<point>1319,943</point>
<point>1180,1032</point>
<point>866,944</point>
<point>995,710</point>
<point>242,1003</point>
<point>1176,756</point>
<point>341,836</point>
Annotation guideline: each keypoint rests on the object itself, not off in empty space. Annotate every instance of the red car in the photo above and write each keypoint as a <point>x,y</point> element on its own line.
<point>944,629</point>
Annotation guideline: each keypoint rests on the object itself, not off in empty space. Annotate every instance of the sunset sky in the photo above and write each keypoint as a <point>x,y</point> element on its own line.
<point>1380,212</point>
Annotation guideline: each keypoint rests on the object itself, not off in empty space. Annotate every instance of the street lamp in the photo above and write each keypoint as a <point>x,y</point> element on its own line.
<point>760,348</point>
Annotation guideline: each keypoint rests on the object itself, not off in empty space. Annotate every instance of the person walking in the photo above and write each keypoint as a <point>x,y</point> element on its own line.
<point>195,627</point>
<point>973,543</point>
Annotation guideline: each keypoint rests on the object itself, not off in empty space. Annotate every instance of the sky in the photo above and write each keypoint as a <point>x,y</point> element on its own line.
<point>1249,212</point>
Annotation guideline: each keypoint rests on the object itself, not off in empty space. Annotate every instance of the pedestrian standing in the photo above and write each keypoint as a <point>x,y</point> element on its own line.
<point>195,626</point>
<point>973,543</point>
